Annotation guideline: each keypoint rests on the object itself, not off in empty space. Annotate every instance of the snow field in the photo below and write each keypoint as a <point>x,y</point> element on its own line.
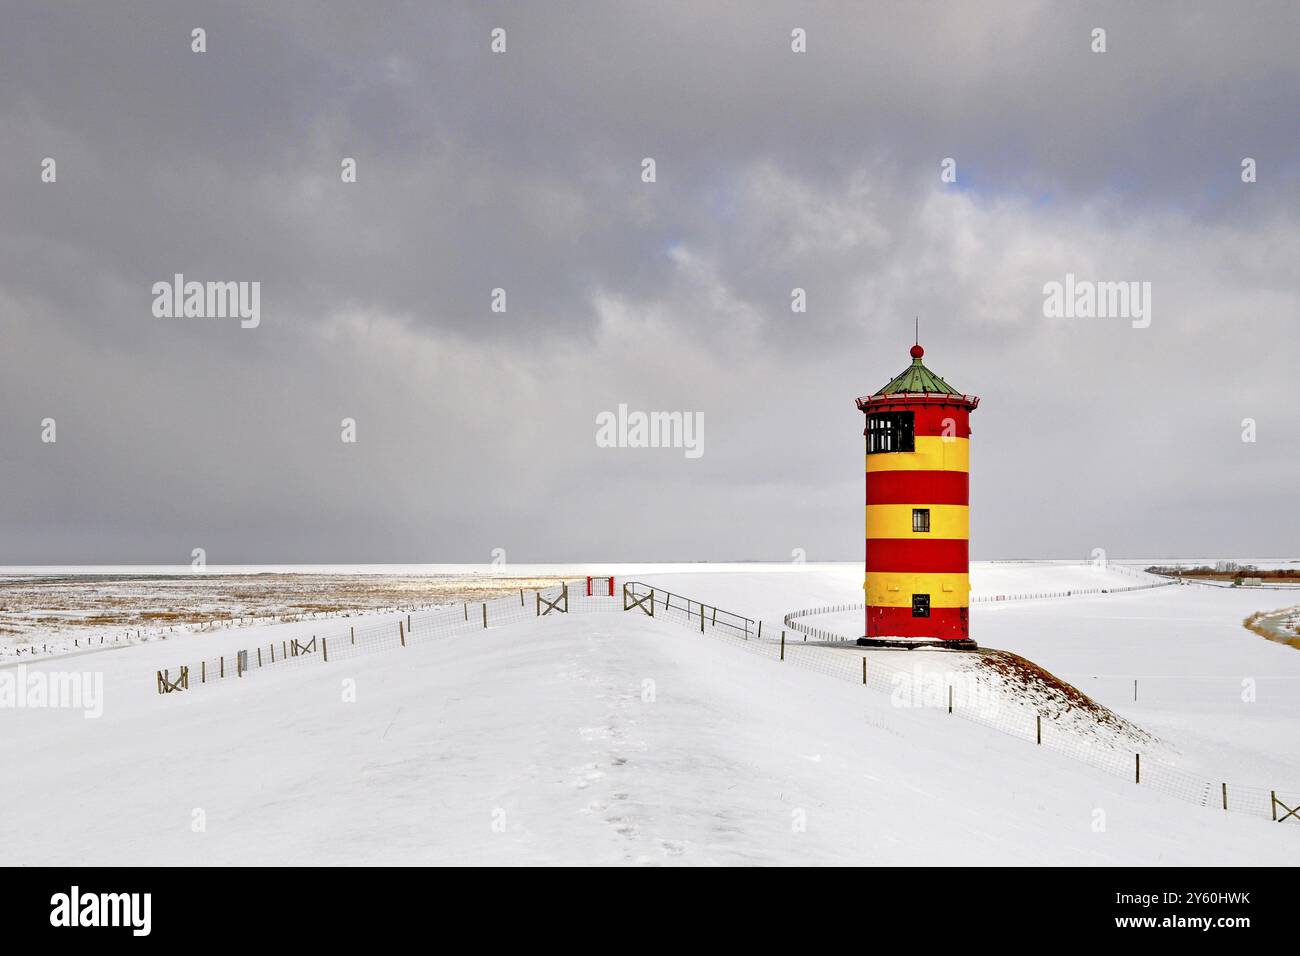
<point>586,739</point>
<point>615,738</point>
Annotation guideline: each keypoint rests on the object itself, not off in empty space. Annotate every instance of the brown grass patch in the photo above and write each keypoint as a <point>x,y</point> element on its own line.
<point>99,603</point>
<point>1033,682</point>
<point>1257,623</point>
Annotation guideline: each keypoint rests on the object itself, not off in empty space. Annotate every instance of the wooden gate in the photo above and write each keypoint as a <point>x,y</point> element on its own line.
<point>166,685</point>
<point>630,600</point>
<point>1278,804</point>
<point>554,605</point>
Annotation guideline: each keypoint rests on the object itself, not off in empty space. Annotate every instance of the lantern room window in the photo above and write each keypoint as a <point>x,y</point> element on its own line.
<point>920,520</point>
<point>890,431</point>
<point>920,605</point>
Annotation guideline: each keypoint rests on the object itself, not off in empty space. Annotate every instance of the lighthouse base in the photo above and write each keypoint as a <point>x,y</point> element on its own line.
<point>912,643</point>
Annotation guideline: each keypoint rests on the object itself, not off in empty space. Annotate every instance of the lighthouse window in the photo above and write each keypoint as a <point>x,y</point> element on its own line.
<point>920,605</point>
<point>890,431</point>
<point>920,520</point>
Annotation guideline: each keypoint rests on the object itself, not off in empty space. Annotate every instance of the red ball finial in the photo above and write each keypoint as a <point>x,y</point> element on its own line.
<point>917,351</point>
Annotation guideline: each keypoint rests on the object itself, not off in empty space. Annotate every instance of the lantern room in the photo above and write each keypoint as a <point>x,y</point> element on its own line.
<point>918,507</point>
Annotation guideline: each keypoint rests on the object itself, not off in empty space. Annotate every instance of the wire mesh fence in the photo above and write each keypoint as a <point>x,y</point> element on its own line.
<point>793,620</point>
<point>777,641</point>
<point>1069,592</point>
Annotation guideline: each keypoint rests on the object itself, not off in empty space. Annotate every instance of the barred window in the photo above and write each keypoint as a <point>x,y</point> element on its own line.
<point>890,431</point>
<point>920,520</point>
<point>920,605</point>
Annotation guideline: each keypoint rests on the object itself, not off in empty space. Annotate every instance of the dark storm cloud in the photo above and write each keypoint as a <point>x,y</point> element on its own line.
<point>775,170</point>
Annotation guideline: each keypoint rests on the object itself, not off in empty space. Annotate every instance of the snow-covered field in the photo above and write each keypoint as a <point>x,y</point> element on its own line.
<point>614,738</point>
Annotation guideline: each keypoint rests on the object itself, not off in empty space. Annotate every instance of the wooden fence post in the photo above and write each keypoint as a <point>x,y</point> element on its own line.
<point>222,660</point>
<point>259,657</point>
<point>203,672</point>
<point>401,634</point>
<point>1272,803</point>
<point>521,597</point>
<point>324,651</point>
<point>1225,796</point>
<point>760,630</point>
<point>864,669</point>
<point>352,634</point>
<point>701,618</point>
<point>950,698</point>
<point>783,645</point>
<point>1038,721</point>
<point>466,606</point>
<point>485,615</point>
<point>1137,768</point>
<point>539,603</point>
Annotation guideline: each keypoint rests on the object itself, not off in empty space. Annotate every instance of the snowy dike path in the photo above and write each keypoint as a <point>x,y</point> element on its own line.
<point>618,738</point>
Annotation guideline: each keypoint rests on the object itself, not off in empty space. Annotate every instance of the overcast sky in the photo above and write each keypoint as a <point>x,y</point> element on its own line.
<point>523,170</point>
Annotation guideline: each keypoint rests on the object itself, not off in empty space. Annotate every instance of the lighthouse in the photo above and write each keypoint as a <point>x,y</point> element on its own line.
<point>918,507</point>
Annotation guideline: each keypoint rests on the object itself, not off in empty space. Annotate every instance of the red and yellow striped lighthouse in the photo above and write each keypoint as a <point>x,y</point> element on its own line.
<point>918,496</point>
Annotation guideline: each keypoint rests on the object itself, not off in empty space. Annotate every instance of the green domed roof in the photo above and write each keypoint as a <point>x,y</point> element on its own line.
<point>916,379</point>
